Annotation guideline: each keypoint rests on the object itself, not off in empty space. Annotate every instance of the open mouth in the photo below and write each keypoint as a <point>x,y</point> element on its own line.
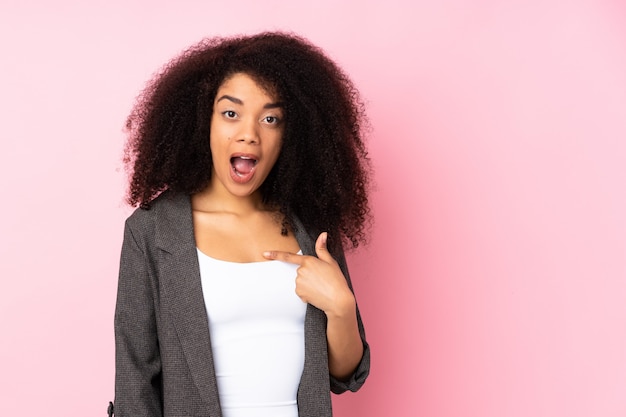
<point>243,165</point>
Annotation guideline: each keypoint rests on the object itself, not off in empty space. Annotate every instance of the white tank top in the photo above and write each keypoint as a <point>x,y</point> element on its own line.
<point>256,322</point>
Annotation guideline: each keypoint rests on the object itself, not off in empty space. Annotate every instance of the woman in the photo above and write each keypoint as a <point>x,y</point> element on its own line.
<point>234,298</point>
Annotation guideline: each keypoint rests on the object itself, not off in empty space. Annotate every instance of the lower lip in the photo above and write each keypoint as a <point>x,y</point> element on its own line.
<point>239,178</point>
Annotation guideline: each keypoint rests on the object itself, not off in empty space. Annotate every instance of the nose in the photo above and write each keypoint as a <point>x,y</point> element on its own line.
<point>248,132</point>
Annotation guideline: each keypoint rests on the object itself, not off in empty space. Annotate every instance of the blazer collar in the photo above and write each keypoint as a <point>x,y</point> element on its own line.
<point>174,223</point>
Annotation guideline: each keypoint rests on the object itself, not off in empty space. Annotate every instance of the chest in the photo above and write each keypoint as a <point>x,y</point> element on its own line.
<point>237,238</point>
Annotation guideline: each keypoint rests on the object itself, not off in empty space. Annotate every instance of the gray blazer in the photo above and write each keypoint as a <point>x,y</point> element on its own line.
<point>164,363</point>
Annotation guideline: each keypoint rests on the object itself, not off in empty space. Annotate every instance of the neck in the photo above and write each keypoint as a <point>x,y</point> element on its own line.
<point>218,199</point>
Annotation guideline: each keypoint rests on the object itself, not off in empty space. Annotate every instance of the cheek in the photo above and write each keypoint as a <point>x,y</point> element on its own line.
<point>278,142</point>
<point>218,137</point>
<point>217,151</point>
<point>276,151</point>
<point>220,130</point>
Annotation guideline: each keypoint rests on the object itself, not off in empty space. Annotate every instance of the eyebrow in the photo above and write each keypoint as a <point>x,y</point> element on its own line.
<point>240,102</point>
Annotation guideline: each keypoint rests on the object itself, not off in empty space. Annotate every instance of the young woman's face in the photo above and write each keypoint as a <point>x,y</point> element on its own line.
<point>246,135</point>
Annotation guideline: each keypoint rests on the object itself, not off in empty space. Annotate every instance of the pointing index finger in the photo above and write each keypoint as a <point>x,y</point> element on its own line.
<point>292,258</point>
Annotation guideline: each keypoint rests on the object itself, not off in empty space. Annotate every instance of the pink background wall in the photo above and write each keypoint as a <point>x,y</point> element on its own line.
<point>495,284</point>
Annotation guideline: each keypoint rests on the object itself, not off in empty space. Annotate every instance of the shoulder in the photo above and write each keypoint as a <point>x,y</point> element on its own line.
<point>167,224</point>
<point>167,204</point>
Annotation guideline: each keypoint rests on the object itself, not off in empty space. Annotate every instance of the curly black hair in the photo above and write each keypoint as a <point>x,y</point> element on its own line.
<point>323,172</point>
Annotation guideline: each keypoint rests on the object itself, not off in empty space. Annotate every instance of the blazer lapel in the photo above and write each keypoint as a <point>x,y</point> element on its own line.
<point>182,290</point>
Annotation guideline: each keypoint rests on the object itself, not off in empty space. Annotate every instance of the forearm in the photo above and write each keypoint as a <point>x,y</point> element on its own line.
<point>345,347</point>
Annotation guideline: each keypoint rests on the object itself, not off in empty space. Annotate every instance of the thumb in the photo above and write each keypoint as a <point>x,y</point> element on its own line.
<point>320,248</point>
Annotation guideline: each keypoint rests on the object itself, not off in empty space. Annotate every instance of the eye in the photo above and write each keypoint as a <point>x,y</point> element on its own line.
<point>229,114</point>
<point>272,120</point>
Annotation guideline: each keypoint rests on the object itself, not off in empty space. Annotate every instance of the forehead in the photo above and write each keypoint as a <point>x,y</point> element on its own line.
<point>243,83</point>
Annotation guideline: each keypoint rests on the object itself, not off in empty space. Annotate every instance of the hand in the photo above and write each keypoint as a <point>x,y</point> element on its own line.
<point>320,281</point>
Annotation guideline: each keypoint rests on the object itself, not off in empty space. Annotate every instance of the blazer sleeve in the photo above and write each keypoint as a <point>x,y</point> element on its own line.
<point>358,377</point>
<point>137,359</point>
